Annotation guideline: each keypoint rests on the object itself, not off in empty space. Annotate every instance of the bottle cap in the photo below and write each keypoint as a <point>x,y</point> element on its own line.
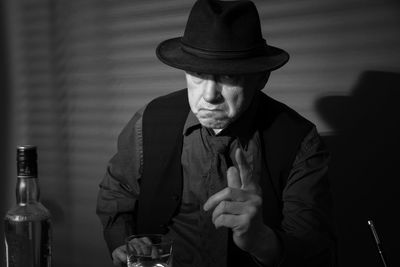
<point>26,161</point>
<point>26,153</point>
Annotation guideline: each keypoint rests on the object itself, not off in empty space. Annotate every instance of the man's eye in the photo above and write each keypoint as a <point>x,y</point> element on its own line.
<point>228,79</point>
<point>195,74</point>
<point>196,77</point>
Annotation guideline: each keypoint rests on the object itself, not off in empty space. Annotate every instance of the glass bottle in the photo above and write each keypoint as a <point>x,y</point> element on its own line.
<point>27,225</point>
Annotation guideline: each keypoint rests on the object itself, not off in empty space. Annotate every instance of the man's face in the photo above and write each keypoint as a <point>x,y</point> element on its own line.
<point>218,100</point>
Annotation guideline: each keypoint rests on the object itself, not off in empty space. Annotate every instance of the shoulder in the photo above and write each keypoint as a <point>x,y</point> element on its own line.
<point>168,109</point>
<point>275,114</point>
<point>176,98</point>
<point>134,125</point>
<point>168,112</point>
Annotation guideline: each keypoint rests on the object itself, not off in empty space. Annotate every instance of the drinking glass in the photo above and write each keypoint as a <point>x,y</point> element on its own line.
<point>152,250</point>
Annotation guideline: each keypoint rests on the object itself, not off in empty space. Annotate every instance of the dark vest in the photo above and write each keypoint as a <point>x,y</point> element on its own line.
<point>281,130</point>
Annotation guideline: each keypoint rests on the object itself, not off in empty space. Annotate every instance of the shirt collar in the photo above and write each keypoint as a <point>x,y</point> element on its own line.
<point>191,124</point>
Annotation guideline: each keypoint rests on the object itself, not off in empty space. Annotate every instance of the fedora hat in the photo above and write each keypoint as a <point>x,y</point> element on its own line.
<point>222,37</point>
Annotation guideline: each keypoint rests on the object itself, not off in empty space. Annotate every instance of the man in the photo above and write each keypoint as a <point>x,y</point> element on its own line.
<point>231,175</point>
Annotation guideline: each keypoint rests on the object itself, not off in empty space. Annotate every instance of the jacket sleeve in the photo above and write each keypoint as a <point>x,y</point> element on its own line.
<point>306,233</point>
<point>119,188</point>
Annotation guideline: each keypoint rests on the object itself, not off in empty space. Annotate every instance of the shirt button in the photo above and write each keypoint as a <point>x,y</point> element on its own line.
<point>175,197</point>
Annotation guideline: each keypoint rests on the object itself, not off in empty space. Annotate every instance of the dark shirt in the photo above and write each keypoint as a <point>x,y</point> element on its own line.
<point>119,189</point>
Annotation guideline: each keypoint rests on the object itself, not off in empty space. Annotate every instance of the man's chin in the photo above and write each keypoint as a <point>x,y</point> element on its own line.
<point>214,124</point>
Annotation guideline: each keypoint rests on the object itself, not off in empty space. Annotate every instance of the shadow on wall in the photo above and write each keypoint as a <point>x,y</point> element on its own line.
<point>365,167</point>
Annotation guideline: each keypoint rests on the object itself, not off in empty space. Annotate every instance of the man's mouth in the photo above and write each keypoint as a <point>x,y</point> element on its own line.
<point>211,109</point>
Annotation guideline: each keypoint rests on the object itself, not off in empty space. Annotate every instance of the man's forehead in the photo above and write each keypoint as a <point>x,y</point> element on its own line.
<point>211,74</point>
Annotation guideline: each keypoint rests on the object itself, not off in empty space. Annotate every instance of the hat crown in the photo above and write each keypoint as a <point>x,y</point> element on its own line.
<point>223,26</point>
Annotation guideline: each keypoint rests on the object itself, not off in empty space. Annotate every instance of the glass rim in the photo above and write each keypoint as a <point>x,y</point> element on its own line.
<point>163,239</point>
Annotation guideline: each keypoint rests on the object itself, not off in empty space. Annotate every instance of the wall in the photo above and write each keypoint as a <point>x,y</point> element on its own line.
<point>364,174</point>
<point>4,118</point>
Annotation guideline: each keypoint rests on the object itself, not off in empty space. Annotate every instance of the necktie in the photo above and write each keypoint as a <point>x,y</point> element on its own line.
<point>216,178</point>
<point>215,240</point>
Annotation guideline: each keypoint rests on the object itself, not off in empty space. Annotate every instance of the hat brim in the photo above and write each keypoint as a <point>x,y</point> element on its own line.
<point>171,53</point>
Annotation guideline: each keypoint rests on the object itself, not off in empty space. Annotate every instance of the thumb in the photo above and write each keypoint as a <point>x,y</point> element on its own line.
<point>119,256</point>
<point>233,178</point>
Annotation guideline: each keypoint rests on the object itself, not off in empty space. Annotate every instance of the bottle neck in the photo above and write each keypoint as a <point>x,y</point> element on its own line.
<point>27,190</point>
<point>27,185</point>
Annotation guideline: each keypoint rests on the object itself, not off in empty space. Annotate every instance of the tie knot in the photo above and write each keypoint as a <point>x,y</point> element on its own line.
<point>220,144</point>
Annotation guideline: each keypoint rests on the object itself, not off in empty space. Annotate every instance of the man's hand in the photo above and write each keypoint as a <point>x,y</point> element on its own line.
<point>119,256</point>
<point>137,246</point>
<point>239,206</point>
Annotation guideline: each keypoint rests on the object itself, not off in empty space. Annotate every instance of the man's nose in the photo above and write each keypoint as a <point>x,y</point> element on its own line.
<point>212,92</point>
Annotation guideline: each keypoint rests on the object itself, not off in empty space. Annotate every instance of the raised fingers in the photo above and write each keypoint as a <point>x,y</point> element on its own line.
<point>248,178</point>
<point>244,168</point>
<point>233,177</point>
